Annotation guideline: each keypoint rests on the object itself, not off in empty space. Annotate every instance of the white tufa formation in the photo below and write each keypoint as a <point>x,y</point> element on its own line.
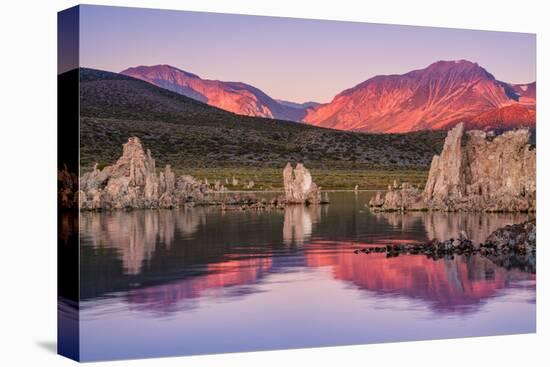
<point>476,171</point>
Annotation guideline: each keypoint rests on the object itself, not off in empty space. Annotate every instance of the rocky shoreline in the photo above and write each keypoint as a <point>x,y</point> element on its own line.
<point>512,246</point>
<point>133,182</point>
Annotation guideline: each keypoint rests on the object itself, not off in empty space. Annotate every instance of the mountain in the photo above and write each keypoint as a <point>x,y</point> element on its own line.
<point>110,95</point>
<point>504,118</point>
<point>305,105</point>
<point>236,97</point>
<point>187,133</point>
<point>527,93</point>
<point>437,97</point>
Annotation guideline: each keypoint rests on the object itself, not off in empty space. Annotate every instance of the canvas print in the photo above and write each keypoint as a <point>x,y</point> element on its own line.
<point>233,183</point>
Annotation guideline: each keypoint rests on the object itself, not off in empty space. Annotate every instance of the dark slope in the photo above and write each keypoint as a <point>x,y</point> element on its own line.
<point>236,97</point>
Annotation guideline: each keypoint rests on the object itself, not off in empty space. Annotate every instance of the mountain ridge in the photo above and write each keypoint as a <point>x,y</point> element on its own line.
<point>433,98</point>
<point>436,97</point>
<point>184,132</point>
<point>236,97</point>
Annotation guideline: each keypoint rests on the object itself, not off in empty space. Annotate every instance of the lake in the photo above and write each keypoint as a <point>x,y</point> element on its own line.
<point>199,280</point>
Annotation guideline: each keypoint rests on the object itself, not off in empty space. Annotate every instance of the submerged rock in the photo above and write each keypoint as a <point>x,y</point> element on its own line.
<point>299,186</point>
<point>476,171</point>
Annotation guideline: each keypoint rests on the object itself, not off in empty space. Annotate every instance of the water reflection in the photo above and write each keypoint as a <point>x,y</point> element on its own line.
<point>298,223</point>
<point>442,226</point>
<point>165,260</point>
<point>135,234</point>
<point>222,280</point>
<point>453,285</point>
<point>209,281</point>
<point>450,285</point>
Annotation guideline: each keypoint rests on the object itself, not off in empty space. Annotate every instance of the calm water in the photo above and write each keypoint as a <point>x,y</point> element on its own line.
<point>193,281</point>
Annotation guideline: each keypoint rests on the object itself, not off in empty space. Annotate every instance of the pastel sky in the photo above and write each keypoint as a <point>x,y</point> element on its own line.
<point>294,59</point>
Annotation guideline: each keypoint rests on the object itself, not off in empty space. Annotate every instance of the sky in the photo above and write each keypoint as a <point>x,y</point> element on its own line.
<point>297,60</point>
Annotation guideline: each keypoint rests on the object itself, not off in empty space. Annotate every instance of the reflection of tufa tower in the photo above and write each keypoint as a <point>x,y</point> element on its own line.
<point>298,223</point>
<point>442,225</point>
<point>136,234</point>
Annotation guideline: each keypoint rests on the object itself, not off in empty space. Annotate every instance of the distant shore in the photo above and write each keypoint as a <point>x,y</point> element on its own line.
<point>270,179</point>
<point>267,179</point>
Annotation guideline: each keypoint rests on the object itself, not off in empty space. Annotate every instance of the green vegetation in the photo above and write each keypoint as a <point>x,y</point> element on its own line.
<point>328,179</point>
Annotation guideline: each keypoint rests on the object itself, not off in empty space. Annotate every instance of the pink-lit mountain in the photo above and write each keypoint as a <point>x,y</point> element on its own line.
<point>437,97</point>
<point>504,118</point>
<point>236,97</point>
<point>527,93</point>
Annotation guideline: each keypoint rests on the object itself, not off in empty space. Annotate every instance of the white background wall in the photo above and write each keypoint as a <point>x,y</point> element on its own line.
<point>28,181</point>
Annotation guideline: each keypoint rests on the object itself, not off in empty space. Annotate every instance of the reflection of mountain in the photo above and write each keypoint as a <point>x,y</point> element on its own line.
<point>457,285</point>
<point>161,258</point>
<point>448,285</point>
<point>220,276</point>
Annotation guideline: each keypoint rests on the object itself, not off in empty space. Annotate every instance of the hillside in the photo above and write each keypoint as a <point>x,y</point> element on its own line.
<point>186,133</point>
<point>504,118</point>
<point>236,97</point>
<point>439,96</point>
<point>527,93</point>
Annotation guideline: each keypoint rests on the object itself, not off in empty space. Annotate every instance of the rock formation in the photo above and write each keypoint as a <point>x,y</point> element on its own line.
<point>299,186</point>
<point>132,182</point>
<point>476,171</point>
<point>512,246</point>
<point>522,236</point>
